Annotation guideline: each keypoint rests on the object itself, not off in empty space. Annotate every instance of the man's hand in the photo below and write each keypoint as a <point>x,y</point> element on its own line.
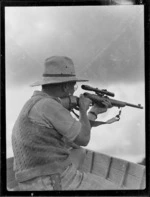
<point>99,109</point>
<point>84,103</point>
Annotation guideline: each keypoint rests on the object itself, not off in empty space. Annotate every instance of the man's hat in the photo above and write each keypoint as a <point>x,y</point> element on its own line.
<point>58,69</point>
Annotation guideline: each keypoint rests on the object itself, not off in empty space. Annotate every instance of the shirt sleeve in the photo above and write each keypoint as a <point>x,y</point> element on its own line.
<point>48,112</point>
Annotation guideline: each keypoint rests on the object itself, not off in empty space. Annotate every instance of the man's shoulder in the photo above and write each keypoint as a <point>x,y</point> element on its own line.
<point>49,103</point>
<point>44,98</point>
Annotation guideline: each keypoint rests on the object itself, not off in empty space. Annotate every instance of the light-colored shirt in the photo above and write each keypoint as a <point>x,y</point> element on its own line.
<point>50,113</point>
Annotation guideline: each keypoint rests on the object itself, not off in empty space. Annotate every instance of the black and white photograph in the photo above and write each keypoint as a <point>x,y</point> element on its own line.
<point>75,98</point>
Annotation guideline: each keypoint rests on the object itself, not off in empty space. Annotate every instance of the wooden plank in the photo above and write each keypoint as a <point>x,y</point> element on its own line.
<point>86,167</point>
<point>102,159</point>
<point>118,170</point>
<point>135,178</point>
<point>100,170</point>
<point>136,170</point>
<point>116,176</point>
<point>124,173</point>
<point>119,164</point>
<point>132,182</point>
<point>143,181</point>
<point>130,174</point>
<point>101,164</point>
<point>92,162</point>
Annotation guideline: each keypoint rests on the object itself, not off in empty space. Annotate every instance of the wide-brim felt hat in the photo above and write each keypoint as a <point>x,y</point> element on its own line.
<point>58,69</point>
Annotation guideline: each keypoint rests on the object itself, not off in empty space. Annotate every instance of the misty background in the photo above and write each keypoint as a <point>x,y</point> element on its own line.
<point>106,44</point>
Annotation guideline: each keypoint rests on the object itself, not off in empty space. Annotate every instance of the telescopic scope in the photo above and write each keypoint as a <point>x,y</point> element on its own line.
<point>96,90</point>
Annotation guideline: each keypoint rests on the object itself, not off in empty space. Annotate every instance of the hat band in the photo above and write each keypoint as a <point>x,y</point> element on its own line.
<point>58,75</point>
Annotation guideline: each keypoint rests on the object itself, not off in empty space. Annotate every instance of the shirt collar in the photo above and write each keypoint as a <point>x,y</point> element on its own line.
<point>43,94</point>
<point>40,93</point>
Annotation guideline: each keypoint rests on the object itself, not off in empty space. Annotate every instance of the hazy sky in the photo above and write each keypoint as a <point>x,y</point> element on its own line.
<point>106,45</point>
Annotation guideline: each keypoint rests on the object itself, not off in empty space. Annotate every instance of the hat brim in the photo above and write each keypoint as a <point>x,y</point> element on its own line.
<point>54,80</point>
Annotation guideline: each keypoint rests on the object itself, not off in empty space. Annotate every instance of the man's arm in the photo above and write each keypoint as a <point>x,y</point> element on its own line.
<point>84,136</point>
<point>97,109</point>
<point>87,120</point>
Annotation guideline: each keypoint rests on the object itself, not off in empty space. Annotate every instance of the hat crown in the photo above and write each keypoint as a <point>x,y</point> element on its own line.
<point>59,65</point>
<point>58,69</point>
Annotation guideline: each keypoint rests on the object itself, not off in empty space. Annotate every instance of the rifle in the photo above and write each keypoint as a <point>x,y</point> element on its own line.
<point>102,95</point>
<point>99,96</point>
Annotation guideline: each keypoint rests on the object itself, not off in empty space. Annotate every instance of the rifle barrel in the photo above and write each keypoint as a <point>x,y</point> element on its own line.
<point>136,106</point>
<point>118,103</point>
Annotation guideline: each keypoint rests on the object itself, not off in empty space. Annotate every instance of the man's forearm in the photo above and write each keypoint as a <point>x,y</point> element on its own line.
<point>92,117</point>
<point>84,120</point>
<point>84,135</point>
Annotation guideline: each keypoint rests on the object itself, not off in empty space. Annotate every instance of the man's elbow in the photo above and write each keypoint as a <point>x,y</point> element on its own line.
<point>85,143</point>
<point>82,141</point>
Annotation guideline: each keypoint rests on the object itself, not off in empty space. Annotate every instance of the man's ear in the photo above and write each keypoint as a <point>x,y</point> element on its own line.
<point>65,87</point>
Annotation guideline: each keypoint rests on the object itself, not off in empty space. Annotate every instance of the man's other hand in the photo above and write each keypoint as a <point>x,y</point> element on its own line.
<point>99,109</point>
<point>84,103</point>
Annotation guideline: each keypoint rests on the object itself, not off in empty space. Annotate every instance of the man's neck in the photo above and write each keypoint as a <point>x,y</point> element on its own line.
<point>53,93</point>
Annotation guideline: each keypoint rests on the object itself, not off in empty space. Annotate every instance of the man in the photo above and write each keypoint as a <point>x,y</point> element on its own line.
<point>43,129</point>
